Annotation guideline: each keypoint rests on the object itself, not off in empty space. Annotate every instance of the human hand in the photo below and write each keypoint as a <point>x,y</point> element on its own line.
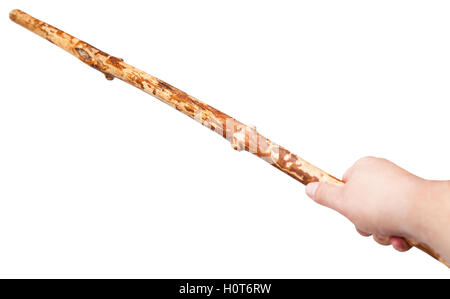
<point>379,197</point>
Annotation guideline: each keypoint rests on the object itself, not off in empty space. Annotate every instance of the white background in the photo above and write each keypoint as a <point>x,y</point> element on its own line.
<point>98,179</point>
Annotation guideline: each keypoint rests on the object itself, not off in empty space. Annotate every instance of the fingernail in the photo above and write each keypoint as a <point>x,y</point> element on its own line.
<point>311,189</point>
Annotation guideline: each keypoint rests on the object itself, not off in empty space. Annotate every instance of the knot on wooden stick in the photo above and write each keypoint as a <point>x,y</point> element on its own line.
<point>83,55</point>
<point>86,58</point>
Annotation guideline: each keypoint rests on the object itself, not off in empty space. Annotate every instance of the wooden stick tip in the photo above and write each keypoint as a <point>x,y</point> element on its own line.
<point>13,14</point>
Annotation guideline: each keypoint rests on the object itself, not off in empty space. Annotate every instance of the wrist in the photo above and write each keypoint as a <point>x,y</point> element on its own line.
<point>429,213</point>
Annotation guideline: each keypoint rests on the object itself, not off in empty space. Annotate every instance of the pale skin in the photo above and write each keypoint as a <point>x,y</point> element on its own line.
<point>387,202</point>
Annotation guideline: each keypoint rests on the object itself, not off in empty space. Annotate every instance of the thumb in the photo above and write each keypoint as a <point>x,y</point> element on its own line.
<point>325,194</point>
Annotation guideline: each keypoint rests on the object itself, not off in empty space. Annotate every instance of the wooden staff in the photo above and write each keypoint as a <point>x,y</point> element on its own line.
<point>241,136</point>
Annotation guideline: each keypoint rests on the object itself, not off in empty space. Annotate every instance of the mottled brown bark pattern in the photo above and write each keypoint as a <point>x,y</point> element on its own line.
<point>216,120</point>
<point>241,136</point>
